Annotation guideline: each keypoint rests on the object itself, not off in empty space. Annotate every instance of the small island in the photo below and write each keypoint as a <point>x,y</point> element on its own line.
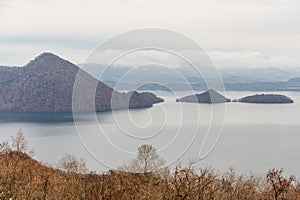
<point>209,96</point>
<point>266,98</point>
<point>142,100</point>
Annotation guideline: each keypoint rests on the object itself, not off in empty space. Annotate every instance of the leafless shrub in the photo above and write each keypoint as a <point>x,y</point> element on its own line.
<point>279,184</point>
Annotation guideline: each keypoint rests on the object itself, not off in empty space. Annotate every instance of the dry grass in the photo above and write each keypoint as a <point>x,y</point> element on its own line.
<point>21,177</point>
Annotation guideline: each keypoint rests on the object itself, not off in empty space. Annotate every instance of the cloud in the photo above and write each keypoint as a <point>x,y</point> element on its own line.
<point>21,54</point>
<point>222,59</point>
<point>251,59</point>
<point>270,27</point>
<point>135,58</point>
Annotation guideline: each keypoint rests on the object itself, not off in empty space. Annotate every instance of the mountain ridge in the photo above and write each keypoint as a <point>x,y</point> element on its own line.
<point>235,79</point>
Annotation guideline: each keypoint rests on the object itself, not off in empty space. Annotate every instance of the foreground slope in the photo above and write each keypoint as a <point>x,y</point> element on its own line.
<point>21,177</point>
<point>46,83</point>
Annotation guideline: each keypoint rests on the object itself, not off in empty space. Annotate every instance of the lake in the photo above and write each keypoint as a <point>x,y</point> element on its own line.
<point>248,137</point>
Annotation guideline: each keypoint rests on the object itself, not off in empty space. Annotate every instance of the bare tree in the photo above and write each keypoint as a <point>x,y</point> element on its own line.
<point>5,147</point>
<point>19,143</point>
<point>147,161</point>
<point>280,185</point>
<point>70,164</point>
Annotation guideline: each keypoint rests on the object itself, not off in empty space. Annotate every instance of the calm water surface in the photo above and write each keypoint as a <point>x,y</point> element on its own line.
<point>249,137</point>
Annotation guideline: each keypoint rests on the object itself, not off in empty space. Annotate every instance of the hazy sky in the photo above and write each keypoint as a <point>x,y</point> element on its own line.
<point>245,33</point>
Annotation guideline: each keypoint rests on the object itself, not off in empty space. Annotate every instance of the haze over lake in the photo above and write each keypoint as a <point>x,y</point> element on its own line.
<point>255,137</point>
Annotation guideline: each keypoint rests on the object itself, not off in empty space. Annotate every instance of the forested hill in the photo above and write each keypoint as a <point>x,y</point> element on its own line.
<point>46,83</point>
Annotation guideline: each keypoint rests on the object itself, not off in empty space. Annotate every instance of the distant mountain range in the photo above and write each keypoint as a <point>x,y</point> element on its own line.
<point>46,83</point>
<point>183,78</point>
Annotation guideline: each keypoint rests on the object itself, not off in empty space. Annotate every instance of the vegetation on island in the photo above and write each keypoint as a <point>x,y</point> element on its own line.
<point>212,96</point>
<point>22,177</point>
<point>266,98</point>
<point>209,96</point>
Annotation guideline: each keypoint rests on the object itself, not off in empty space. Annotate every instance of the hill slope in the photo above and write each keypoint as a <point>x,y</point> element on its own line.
<point>46,83</point>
